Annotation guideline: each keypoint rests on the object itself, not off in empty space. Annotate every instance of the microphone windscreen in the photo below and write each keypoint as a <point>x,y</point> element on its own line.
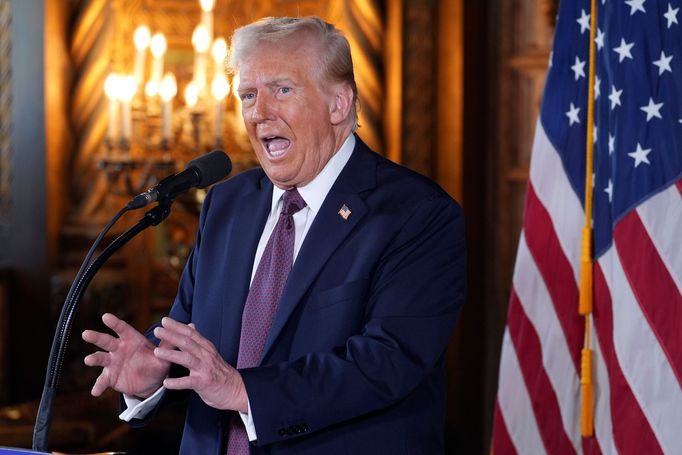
<point>212,167</point>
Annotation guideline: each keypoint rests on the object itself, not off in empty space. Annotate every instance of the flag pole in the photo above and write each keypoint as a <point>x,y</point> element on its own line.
<point>585,302</point>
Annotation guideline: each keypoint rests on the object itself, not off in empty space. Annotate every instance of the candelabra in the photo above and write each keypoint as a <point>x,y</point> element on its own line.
<point>150,134</point>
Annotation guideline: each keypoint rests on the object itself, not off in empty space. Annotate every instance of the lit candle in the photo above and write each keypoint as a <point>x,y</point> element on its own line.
<point>158,45</point>
<point>127,88</point>
<point>191,99</point>
<point>141,38</point>
<point>219,53</point>
<point>151,89</point>
<point>191,95</point>
<point>111,91</point>
<point>207,16</point>
<point>201,43</point>
<point>167,91</point>
<point>219,89</point>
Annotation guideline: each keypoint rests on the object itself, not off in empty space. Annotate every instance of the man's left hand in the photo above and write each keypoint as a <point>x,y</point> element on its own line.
<point>216,382</point>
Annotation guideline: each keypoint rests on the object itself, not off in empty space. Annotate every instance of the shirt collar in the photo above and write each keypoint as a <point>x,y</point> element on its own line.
<point>315,192</point>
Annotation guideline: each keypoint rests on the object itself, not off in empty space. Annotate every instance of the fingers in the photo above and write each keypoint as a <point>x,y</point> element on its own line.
<point>122,328</point>
<point>182,336</point>
<point>181,358</point>
<point>101,340</point>
<point>101,384</point>
<point>98,359</point>
<point>183,383</point>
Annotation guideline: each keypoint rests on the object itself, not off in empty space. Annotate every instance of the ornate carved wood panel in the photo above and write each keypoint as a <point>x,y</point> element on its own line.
<point>525,43</point>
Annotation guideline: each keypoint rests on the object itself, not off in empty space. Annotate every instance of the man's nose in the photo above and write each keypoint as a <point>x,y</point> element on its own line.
<point>262,109</point>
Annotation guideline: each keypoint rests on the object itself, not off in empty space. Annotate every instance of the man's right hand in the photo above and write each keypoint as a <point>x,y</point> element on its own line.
<point>129,364</point>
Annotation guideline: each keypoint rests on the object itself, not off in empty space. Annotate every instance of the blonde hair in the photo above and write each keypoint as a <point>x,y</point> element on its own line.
<point>334,54</point>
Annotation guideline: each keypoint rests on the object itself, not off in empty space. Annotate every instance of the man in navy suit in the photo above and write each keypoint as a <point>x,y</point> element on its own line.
<point>352,361</point>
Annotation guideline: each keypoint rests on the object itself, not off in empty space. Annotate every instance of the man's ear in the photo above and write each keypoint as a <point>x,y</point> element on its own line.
<point>341,103</point>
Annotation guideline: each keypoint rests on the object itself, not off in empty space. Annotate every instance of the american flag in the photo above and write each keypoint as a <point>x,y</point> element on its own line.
<point>637,219</point>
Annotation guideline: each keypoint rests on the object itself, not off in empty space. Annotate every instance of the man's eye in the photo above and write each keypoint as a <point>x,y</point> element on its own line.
<point>248,96</point>
<point>285,89</point>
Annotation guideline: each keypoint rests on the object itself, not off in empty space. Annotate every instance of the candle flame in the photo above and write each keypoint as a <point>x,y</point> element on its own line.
<point>158,45</point>
<point>220,87</point>
<point>191,95</point>
<point>219,51</point>
<point>127,86</point>
<point>141,37</point>
<point>200,39</point>
<point>169,87</point>
<point>207,5</point>
<point>111,84</point>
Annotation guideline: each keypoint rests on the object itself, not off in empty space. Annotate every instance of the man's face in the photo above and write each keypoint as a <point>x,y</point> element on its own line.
<point>287,112</point>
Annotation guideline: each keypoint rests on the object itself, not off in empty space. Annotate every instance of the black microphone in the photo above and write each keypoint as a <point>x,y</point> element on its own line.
<point>200,172</point>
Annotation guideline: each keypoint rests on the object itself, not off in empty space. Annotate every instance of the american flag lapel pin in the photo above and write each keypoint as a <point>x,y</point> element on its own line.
<point>344,212</point>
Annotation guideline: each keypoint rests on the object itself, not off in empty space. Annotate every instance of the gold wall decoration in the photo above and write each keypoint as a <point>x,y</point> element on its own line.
<point>90,46</point>
<point>5,113</point>
<point>363,25</point>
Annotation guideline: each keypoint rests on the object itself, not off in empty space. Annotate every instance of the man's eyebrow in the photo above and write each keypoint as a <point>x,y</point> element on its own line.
<point>279,81</point>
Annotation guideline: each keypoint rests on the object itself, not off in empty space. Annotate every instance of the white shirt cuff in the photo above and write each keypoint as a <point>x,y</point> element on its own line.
<point>247,418</point>
<point>138,409</point>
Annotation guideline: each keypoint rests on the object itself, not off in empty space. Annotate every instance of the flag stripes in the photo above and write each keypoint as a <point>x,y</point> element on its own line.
<point>515,406</point>
<point>502,441</point>
<point>636,213</point>
<point>647,371</point>
<point>543,399</point>
<point>660,304</point>
<point>629,415</point>
<point>665,232</point>
<point>555,269</point>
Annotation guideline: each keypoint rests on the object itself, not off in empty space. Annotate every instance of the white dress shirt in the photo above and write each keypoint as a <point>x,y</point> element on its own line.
<point>314,194</point>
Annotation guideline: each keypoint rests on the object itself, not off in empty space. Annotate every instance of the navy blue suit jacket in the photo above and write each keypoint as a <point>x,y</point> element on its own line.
<point>354,363</point>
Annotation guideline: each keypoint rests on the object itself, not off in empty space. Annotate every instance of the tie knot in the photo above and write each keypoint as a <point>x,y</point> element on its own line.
<point>293,202</point>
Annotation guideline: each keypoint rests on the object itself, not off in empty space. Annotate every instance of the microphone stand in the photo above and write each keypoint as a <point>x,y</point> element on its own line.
<point>44,417</point>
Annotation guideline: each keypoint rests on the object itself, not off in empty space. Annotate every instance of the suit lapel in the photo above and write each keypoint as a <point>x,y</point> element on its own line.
<point>251,214</point>
<point>327,232</point>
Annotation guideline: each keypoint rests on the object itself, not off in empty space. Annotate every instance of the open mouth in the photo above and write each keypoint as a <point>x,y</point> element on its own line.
<point>276,146</point>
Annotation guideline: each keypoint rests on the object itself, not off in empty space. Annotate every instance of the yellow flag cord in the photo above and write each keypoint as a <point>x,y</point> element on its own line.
<point>585,303</point>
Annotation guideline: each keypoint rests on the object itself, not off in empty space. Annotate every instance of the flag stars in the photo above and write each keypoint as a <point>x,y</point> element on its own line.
<point>612,144</point>
<point>594,134</point>
<point>636,5</point>
<point>572,115</point>
<point>652,110</point>
<point>614,96</point>
<point>578,68</point>
<point>671,15</point>
<point>599,39</point>
<point>597,84</point>
<point>584,21</point>
<point>609,190</point>
<point>640,155</point>
<point>623,50</point>
<point>663,63</point>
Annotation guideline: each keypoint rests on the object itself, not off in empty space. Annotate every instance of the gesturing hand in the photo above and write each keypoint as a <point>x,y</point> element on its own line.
<point>216,382</point>
<point>129,364</point>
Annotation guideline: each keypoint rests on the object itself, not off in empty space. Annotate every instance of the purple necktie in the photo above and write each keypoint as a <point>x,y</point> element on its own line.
<point>261,303</point>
